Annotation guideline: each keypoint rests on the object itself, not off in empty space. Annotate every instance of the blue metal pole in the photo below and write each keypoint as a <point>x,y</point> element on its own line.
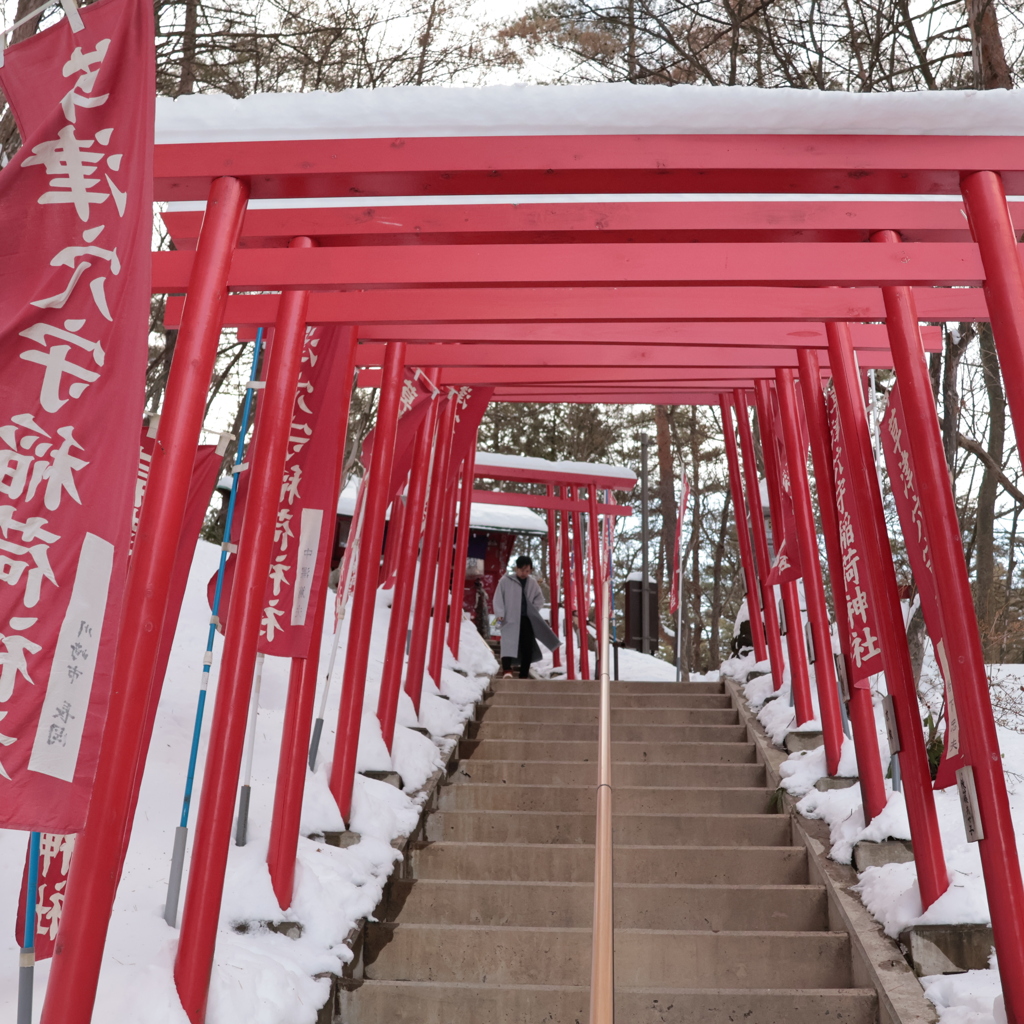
<point>181,832</point>
<point>27,967</point>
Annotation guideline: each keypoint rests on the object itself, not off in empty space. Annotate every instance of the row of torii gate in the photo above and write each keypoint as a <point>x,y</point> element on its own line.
<point>658,302</point>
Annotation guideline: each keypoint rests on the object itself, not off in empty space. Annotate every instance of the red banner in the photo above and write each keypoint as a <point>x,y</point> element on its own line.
<point>205,471</point>
<point>865,653</point>
<point>306,514</point>
<point>908,507</point>
<point>54,864</point>
<point>470,406</point>
<point>76,209</point>
<point>417,391</point>
<point>786,565</point>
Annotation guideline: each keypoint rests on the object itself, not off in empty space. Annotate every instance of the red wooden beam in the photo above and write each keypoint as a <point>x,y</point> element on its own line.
<point>371,354</point>
<point>594,164</point>
<point>544,501</point>
<point>553,221</point>
<point>713,263</point>
<point>609,395</point>
<point>544,306</point>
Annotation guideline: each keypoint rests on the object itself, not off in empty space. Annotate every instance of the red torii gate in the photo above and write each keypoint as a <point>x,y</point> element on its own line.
<point>649,274</point>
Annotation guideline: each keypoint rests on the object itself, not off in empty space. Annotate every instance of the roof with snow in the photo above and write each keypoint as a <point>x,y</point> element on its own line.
<point>500,518</point>
<point>525,467</point>
<point>596,109</point>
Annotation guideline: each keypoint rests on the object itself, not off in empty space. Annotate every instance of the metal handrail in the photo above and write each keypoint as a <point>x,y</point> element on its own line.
<point>602,968</point>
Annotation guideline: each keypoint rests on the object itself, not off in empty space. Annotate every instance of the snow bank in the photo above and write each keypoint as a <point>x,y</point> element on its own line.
<point>482,516</point>
<point>259,976</point>
<point>595,109</point>
<point>493,461</point>
<point>891,892</point>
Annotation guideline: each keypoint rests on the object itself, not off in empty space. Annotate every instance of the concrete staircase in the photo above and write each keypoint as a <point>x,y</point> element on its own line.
<point>715,919</point>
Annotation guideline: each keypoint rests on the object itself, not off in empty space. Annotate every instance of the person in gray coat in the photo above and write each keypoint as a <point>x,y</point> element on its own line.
<point>517,603</point>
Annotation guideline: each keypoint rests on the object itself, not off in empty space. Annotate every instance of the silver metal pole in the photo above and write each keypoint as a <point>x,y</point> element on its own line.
<point>645,615</point>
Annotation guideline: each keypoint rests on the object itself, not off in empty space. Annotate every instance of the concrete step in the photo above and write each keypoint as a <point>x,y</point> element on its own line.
<point>627,829</point>
<point>655,865</point>
<point>570,773</point>
<point>618,701</point>
<point>620,716</point>
<point>571,905</point>
<point>406,1002</point>
<point>481,954</point>
<point>626,800</point>
<point>591,686</point>
<point>620,733</point>
<point>585,751</point>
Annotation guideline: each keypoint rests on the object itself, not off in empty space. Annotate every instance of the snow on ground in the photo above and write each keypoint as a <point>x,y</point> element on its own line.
<point>259,976</point>
<point>890,892</point>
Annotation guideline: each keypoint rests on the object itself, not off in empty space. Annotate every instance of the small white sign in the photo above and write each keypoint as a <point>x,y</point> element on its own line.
<point>953,725</point>
<point>309,547</point>
<point>891,729</point>
<point>969,804</point>
<point>69,688</point>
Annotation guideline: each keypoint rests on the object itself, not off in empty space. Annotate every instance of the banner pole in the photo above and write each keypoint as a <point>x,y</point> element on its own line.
<point>27,967</point>
<point>318,725</point>
<point>405,585</point>
<point>367,569</point>
<point>100,847</point>
<point>181,832</point>
<point>242,825</point>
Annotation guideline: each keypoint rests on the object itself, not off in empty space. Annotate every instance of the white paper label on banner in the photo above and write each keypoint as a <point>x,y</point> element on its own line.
<point>69,689</point>
<point>953,726</point>
<point>310,526</point>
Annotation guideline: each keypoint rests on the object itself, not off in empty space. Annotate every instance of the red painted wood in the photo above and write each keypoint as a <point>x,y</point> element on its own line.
<point>742,521</point>
<point>877,566</point>
<point>752,486</point>
<point>999,856</point>
<point>810,560</point>
<point>554,221</point>
<point>346,744</point>
<point>446,306</point>
<point>800,679</point>
<point>101,847</point>
<point>844,264</point>
<point>860,706</point>
<point>193,962</point>
<point>637,356</point>
<point>595,164</point>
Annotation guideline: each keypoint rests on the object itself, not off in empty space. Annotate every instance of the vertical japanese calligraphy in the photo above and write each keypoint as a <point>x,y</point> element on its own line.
<point>865,652</point>
<point>900,465</point>
<point>76,211</point>
<point>786,564</point>
<point>306,512</point>
<point>54,864</point>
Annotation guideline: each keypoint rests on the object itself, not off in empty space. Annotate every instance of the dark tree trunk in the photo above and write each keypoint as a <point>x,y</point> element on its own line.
<point>10,140</point>
<point>984,550</point>
<point>187,79</point>
<point>714,640</point>
<point>669,509</point>
<point>990,67</point>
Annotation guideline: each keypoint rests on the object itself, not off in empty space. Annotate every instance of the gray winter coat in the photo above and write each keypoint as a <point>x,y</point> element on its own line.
<point>508,600</point>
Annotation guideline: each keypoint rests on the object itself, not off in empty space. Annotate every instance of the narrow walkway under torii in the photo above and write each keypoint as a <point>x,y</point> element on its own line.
<point>798,275</point>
